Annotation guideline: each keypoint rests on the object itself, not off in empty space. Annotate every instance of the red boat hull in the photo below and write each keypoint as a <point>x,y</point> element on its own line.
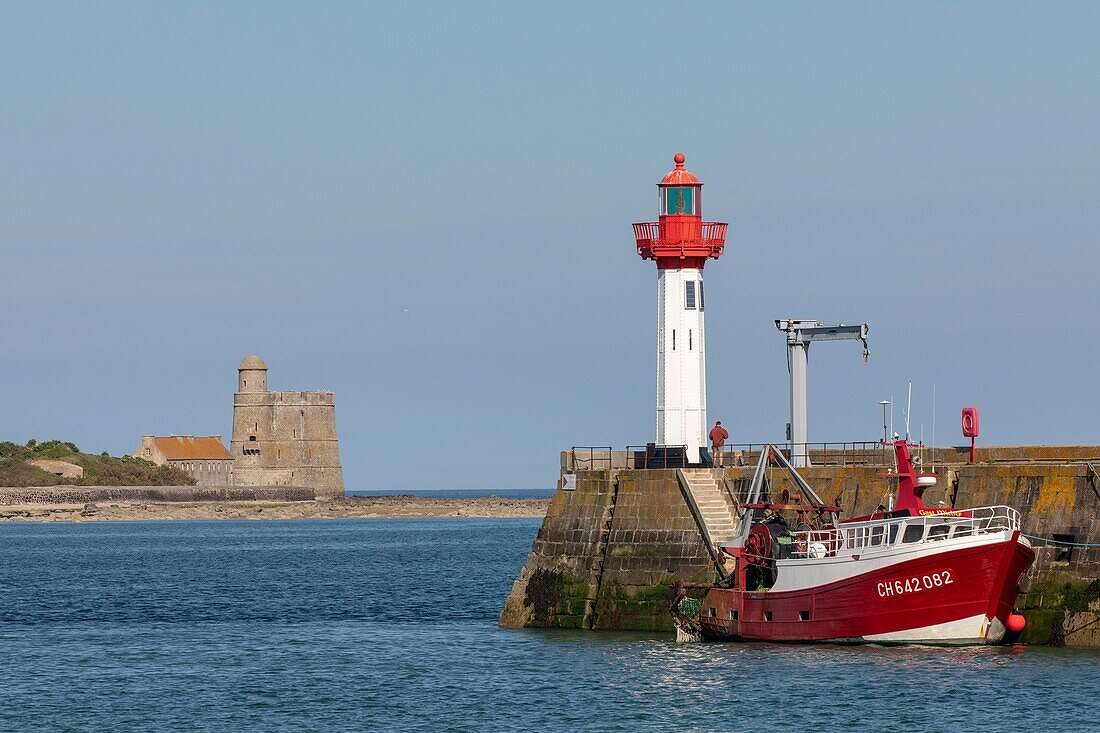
<point>960,596</point>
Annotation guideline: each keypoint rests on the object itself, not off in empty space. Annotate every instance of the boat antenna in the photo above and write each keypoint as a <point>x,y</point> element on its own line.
<point>921,450</point>
<point>908,409</point>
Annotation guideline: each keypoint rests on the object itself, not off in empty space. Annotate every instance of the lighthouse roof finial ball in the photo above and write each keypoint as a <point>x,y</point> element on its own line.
<point>680,176</point>
<point>680,238</point>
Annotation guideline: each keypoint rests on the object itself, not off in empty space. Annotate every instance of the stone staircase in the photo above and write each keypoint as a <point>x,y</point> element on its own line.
<point>714,506</point>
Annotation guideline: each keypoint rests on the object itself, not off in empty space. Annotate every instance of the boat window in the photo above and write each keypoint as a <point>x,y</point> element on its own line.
<point>876,536</point>
<point>913,533</point>
<point>893,533</point>
<point>767,615</point>
<point>939,531</point>
<point>963,530</point>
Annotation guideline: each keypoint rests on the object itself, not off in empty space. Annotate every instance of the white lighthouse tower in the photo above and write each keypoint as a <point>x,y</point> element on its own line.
<point>680,242</point>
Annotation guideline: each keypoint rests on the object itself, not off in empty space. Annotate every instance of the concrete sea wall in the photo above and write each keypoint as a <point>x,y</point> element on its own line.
<point>93,494</point>
<point>608,550</point>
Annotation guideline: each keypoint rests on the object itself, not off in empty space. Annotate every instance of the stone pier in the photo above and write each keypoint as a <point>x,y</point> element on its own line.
<point>608,551</point>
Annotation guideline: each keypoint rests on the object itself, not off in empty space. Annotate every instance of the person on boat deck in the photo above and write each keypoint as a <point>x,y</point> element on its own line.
<point>718,437</point>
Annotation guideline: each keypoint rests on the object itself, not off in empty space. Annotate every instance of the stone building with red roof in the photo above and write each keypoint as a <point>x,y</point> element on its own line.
<point>205,459</point>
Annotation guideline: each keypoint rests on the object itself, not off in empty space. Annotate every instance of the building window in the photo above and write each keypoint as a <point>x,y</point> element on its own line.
<point>690,295</point>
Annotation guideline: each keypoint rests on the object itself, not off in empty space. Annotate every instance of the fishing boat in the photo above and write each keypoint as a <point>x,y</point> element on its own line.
<point>910,574</point>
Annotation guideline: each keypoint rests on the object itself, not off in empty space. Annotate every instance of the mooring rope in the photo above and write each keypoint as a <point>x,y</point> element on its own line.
<point>1059,542</point>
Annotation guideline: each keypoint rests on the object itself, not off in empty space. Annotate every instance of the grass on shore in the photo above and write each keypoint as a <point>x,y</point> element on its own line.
<point>99,470</point>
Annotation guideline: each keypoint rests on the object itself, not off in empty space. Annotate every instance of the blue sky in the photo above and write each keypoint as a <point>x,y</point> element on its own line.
<point>426,208</point>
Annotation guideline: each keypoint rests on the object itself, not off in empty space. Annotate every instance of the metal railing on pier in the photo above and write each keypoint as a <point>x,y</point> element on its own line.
<point>591,458</point>
<point>846,453</point>
<point>603,458</point>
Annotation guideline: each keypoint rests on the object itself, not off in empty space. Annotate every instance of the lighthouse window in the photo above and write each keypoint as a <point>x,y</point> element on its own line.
<point>679,200</point>
<point>700,295</point>
<point>690,295</point>
<point>674,339</point>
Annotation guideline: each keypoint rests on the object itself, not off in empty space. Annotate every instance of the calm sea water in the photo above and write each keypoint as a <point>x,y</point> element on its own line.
<point>460,493</point>
<point>391,625</point>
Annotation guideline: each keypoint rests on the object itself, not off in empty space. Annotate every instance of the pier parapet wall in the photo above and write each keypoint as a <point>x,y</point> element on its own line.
<point>10,496</point>
<point>608,551</point>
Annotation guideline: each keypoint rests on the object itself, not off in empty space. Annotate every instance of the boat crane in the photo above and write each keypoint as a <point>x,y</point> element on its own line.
<point>799,336</point>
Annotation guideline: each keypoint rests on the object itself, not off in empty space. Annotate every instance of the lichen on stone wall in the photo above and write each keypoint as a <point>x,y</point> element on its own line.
<point>644,609</point>
<point>1062,611</point>
<point>544,596</point>
<point>1081,612</point>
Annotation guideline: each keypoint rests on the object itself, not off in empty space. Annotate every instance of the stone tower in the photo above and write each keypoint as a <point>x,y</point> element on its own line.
<point>283,438</point>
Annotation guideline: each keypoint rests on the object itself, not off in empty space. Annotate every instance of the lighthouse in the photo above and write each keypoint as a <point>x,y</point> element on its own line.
<point>680,242</point>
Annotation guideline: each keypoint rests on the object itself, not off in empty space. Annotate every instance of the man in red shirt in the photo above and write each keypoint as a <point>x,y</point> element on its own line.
<point>718,436</point>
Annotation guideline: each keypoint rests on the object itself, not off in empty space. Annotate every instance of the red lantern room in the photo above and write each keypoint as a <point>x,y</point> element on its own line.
<point>680,239</point>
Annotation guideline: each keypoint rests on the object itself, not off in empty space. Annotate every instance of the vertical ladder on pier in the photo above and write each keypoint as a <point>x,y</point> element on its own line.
<point>706,487</point>
<point>599,554</point>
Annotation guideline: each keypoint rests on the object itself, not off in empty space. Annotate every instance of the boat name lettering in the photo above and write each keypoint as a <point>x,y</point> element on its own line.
<point>915,584</point>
